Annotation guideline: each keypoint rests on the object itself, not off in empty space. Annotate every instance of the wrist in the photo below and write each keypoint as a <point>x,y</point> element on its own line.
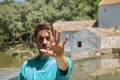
<point>59,58</point>
<point>62,62</point>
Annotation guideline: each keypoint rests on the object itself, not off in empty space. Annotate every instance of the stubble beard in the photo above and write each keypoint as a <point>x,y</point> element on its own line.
<point>43,54</point>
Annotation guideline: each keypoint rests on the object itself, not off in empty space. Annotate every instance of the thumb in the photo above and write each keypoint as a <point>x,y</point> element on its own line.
<point>43,50</point>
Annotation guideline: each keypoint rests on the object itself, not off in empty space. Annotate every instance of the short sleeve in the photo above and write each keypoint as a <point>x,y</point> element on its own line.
<point>64,75</point>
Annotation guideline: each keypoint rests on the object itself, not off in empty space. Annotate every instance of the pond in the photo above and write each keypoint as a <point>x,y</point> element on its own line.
<point>104,67</point>
<point>9,73</point>
<point>91,68</point>
<point>9,67</point>
<point>7,61</point>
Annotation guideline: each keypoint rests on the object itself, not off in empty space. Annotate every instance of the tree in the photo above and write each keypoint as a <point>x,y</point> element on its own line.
<point>18,19</point>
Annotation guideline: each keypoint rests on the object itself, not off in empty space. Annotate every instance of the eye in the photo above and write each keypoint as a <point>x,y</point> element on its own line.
<point>48,38</point>
<point>40,39</point>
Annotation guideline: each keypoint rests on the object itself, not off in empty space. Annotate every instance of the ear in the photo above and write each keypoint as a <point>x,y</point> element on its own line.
<point>36,43</point>
<point>35,40</point>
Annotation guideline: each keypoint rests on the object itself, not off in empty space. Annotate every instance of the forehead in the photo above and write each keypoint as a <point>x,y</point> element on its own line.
<point>43,33</point>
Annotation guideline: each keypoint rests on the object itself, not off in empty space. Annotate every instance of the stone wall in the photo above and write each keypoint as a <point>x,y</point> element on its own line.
<point>89,42</point>
<point>110,42</point>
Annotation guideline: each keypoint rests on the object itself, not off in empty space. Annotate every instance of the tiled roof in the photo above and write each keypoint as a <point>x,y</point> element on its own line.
<point>102,31</point>
<point>109,2</point>
<point>73,25</point>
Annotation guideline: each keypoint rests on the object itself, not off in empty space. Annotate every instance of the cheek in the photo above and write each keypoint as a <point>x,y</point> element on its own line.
<point>39,44</point>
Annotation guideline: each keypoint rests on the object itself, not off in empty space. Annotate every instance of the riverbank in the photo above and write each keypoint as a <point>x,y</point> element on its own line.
<point>9,73</point>
<point>82,68</point>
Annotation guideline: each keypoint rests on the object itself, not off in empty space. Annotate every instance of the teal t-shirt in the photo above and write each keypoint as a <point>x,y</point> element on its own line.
<point>44,69</point>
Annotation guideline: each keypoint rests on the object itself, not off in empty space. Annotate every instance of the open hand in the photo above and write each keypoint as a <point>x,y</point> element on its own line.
<point>56,47</point>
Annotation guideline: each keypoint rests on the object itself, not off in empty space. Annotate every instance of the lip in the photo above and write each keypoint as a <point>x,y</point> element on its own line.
<point>45,48</point>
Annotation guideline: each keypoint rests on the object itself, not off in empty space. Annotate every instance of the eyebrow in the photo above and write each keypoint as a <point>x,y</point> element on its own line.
<point>43,37</point>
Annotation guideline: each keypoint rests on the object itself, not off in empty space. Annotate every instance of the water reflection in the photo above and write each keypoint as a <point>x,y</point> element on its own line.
<point>100,66</point>
<point>91,68</point>
<point>9,73</point>
<point>9,67</point>
<point>6,61</point>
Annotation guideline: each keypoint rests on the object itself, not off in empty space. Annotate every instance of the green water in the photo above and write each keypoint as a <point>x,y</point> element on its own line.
<point>82,70</point>
<point>9,66</point>
<point>7,61</point>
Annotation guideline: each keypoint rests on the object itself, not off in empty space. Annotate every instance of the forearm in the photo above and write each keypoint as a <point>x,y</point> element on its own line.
<point>62,63</point>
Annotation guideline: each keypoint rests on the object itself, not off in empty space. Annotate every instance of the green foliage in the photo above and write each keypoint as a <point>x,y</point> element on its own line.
<point>17,20</point>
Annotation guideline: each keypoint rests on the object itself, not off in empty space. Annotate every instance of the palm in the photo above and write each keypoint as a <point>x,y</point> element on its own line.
<point>57,47</point>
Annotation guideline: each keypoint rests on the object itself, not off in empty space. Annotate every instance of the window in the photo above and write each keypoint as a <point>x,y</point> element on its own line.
<point>105,10</point>
<point>79,44</point>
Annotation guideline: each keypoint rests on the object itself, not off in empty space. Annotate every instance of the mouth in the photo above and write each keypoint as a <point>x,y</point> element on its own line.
<point>45,47</point>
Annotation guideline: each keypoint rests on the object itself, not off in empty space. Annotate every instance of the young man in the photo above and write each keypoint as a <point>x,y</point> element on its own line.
<point>50,64</point>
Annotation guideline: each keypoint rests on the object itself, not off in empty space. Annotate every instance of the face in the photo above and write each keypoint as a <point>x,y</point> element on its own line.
<point>43,39</point>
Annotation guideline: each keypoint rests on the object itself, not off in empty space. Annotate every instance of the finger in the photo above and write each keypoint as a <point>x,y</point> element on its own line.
<point>66,38</point>
<point>43,50</point>
<point>51,36</point>
<point>55,35</point>
<point>51,53</point>
<point>59,34</point>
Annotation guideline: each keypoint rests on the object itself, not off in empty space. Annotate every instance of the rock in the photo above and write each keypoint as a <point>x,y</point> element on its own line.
<point>23,54</point>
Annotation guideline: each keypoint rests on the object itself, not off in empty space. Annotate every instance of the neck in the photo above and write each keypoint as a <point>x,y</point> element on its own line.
<point>43,55</point>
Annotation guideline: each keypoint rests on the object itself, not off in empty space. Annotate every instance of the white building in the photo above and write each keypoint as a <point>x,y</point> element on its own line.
<point>109,14</point>
<point>70,28</point>
<point>93,39</point>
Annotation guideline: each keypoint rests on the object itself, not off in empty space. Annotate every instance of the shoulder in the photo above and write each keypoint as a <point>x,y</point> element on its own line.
<point>29,62</point>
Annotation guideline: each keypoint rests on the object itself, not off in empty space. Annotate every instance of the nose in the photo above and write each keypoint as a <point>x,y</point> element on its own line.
<point>44,42</point>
